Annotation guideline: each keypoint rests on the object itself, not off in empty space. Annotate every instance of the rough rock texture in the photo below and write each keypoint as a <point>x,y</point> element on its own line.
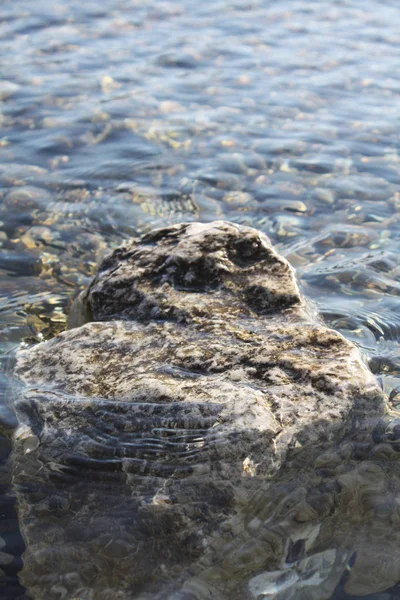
<point>204,437</point>
<point>191,272</point>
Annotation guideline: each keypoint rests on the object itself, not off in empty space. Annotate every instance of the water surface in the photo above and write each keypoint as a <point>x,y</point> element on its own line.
<point>120,116</point>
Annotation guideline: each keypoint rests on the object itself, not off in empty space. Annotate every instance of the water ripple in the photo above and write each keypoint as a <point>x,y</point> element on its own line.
<point>119,117</point>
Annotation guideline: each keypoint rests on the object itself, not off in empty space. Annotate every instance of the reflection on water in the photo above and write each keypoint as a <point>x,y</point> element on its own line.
<point>123,115</point>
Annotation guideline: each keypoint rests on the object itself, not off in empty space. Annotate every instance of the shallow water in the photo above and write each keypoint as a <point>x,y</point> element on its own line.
<point>120,116</point>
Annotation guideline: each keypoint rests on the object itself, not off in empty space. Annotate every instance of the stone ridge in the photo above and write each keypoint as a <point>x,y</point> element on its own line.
<point>203,436</point>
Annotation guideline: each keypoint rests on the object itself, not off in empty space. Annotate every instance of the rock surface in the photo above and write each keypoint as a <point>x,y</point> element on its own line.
<point>201,435</point>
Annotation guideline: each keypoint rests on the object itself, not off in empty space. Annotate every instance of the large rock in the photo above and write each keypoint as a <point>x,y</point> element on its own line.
<point>203,436</point>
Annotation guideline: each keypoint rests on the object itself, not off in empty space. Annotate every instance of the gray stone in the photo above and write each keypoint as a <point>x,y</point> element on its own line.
<point>199,434</point>
<point>193,272</point>
<point>8,89</point>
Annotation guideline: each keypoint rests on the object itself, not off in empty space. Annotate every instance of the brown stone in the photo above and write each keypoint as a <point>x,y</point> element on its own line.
<point>200,434</point>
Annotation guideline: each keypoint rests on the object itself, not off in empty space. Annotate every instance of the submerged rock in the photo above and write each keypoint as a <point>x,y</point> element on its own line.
<point>201,435</point>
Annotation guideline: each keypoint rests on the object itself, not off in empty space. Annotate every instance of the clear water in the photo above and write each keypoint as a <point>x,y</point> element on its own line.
<point>123,115</point>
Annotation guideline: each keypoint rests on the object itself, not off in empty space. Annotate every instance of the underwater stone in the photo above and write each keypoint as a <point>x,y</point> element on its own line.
<point>199,433</point>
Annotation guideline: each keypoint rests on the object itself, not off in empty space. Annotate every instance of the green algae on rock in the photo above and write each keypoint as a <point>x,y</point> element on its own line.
<point>198,434</point>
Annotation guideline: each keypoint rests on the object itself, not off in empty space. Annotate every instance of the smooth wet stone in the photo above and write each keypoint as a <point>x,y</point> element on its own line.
<point>200,434</point>
<point>8,89</point>
<point>26,198</point>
